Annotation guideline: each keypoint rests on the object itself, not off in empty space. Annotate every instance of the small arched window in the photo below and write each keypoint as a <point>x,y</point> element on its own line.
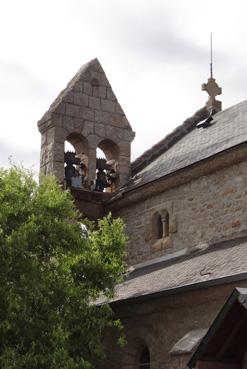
<point>160,224</point>
<point>159,227</point>
<point>144,359</point>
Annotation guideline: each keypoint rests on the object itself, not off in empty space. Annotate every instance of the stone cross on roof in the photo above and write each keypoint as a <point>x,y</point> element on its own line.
<point>213,90</point>
<point>212,87</point>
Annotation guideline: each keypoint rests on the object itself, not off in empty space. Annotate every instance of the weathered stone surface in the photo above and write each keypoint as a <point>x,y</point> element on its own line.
<point>160,323</point>
<point>88,128</point>
<point>205,210</point>
<point>116,120</point>
<point>86,113</point>
<point>124,147</point>
<point>119,108</point>
<point>81,99</point>
<point>94,103</point>
<point>107,105</point>
<point>99,91</point>
<point>99,129</point>
<point>102,117</point>
<point>72,110</point>
<point>111,95</point>
<point>87,88</point>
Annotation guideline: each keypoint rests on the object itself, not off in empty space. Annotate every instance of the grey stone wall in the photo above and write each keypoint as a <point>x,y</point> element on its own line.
<point>208,209</point>
<point>161,323</point>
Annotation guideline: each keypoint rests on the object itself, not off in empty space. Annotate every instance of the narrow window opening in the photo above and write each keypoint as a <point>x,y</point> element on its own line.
<point>159,227</point>
<point>144,360</point>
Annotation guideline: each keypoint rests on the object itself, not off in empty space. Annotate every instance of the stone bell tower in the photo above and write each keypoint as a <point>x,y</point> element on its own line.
<point>87,115</point>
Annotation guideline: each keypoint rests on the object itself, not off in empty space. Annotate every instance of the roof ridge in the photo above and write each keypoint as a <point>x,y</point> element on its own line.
<point>169,140</point>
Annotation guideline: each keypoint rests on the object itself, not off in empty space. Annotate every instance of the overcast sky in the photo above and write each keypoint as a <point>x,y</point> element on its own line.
<point>155,55</point>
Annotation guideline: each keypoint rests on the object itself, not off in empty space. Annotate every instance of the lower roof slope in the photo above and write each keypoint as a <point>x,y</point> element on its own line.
<point>227,259</point>
<point>228,129</point>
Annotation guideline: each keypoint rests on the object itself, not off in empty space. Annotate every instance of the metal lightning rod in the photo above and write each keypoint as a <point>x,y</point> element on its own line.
<point>211,55</point>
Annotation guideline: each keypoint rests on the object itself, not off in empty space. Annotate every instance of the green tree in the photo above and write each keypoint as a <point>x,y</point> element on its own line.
<point>52,269</point>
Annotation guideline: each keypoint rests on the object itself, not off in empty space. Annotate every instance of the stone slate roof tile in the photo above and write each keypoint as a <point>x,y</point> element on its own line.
<point>228,129</point>
<point>217,262</point>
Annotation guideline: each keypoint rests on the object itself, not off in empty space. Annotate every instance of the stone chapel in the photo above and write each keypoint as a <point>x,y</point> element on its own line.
<point>184,203</point>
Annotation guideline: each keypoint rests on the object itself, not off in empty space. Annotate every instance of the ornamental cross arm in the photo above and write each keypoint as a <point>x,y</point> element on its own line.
<point>212,88</point>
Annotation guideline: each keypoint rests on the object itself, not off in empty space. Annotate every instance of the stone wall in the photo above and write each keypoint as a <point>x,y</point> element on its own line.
<point>204,210</point>
<point>161,323</point>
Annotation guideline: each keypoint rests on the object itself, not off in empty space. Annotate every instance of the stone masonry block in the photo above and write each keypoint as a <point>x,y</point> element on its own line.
<point>119,109</point>
<point>102,116</point>
<point>110,95</point>
<point>68,124</point>
<point>88,128</point>
<point>80,99</point>
<point>116,120</point>
<point>100,129</point>
<point>60,134</point>
<point>86,113</point>
<point>72,110</point>
<point>93,141</point>
<point>43,139</point>
<point>124,147</point>
<point>94,103</point>
<point>58,170</point>
<point>107,105</point>
<point>46,154</point>
<point>78,87</point>
<point>69,97</point>
<point>173,225</point>
<point>126,123</point>
<point>78,124</point>
<point>87,88</point>
<point>100,76</point>
<point>61,108</point>
<point>99,91</point>
<point>59,155</point>
<point>114,132</point>
<point>50,136</point>
<point>128,135</point>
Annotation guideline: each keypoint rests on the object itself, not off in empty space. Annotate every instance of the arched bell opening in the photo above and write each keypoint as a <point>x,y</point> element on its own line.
<point>107,175</point>
<point>76,161</point>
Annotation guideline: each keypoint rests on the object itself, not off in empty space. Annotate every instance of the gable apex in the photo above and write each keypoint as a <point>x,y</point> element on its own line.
<point>88,89</point>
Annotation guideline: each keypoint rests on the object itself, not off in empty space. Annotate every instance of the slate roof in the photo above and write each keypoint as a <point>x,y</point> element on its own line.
<point>217,262</point>
<point>228,129</point>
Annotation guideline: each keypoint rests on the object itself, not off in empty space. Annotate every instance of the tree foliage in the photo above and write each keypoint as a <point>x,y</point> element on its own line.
<point>52,269</point>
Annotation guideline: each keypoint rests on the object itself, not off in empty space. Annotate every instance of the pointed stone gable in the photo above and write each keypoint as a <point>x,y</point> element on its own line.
<point>88,115</point>
<point>88,96</point>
